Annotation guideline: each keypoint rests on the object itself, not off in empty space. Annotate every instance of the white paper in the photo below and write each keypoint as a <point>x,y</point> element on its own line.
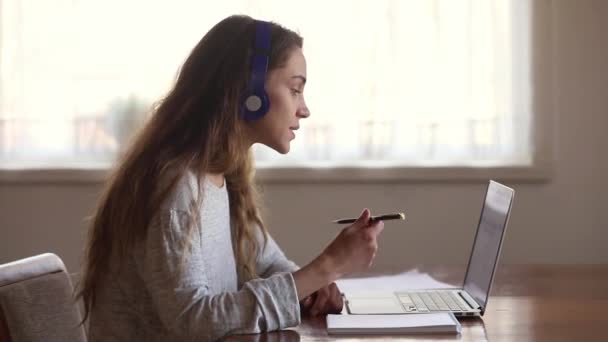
<point>409,280</point>
<point>419,323</point>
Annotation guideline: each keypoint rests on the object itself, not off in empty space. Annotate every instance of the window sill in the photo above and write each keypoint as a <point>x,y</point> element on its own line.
<point>520,174</point>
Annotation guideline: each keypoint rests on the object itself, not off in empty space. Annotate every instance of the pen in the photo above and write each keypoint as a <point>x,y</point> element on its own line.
<point>396,216</point>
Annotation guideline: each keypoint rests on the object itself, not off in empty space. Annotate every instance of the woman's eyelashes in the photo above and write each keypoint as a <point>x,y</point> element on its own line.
<point>296,91</point>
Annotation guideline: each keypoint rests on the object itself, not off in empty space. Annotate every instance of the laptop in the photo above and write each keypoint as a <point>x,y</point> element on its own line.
<point>472,298</point>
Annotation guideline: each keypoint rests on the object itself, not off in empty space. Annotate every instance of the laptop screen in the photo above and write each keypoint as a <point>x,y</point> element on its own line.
<point>486,248</point>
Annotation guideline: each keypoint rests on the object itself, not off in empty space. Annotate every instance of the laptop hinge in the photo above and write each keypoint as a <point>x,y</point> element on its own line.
<point>469,300</point>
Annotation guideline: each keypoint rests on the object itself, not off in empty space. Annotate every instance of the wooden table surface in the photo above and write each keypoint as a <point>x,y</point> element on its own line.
<point>527,303</point>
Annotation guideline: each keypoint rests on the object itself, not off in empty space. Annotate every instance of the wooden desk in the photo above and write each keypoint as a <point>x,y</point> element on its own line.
<point>527,303</point>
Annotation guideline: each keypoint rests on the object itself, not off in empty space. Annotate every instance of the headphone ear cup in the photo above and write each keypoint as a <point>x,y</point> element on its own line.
<point>256,105</point>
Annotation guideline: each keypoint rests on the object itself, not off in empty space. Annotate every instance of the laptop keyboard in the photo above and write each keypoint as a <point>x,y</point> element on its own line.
<point>427,301</point>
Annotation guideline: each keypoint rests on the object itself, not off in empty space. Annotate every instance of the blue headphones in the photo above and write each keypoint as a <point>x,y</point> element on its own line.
<point>256,102</point>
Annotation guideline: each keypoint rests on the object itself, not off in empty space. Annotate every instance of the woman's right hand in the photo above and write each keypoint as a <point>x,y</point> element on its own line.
<point>354,249</point>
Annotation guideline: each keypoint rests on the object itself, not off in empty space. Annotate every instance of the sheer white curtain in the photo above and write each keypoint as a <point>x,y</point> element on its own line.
<point>391,83</point>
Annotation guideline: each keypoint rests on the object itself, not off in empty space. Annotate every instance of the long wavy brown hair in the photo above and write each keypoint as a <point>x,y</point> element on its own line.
<point>196,127</point>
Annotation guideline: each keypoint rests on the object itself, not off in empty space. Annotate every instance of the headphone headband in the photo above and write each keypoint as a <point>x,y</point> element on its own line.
<point>256,103</point>
<point>262,36</point>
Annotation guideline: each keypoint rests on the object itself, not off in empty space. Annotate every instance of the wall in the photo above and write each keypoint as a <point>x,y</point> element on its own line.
<point>564,220</point>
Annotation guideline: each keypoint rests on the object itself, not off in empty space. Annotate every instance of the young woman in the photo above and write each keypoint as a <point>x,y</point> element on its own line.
<point>177,249</point>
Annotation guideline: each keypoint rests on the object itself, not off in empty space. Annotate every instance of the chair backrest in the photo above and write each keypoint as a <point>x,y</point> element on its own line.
<point>36,301</point>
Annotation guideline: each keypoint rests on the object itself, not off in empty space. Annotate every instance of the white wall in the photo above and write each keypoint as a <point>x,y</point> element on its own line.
<point>564,220</point>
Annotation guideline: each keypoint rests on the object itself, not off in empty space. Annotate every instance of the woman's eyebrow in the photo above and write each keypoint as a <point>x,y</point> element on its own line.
<point>300,77</point>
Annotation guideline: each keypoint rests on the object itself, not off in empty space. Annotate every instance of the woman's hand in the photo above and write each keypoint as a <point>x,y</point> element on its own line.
<point>354,249</point>
<point>324,301</point>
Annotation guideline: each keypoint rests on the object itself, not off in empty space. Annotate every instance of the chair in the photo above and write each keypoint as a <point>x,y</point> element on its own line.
<point>36,301</point>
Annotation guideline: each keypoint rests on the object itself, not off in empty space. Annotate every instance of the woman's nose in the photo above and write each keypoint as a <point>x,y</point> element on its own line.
<point>303,112</point>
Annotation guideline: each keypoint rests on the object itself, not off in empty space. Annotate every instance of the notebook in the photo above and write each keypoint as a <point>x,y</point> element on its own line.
<point>431,323</point>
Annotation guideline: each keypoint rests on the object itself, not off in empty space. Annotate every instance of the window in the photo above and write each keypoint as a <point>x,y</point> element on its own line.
<point>391,83</point>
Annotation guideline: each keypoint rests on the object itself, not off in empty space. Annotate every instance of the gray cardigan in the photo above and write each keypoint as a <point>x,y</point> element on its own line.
<point>144,299</point>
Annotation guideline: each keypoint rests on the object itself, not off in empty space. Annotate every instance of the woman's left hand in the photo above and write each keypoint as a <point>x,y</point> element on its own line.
<point>324,301</point>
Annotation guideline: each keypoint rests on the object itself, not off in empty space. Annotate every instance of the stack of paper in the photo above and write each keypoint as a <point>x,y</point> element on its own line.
<point>443,322</point>
<point>409,280</point>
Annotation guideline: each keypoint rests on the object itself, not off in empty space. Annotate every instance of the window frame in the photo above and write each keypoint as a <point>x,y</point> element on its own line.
<point>542,130</point>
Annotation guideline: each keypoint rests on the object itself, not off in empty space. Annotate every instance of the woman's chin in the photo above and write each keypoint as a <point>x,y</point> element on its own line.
<point>282,148</point>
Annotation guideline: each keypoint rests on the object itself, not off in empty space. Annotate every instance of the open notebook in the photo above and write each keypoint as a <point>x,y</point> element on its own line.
<point>432,323</point>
